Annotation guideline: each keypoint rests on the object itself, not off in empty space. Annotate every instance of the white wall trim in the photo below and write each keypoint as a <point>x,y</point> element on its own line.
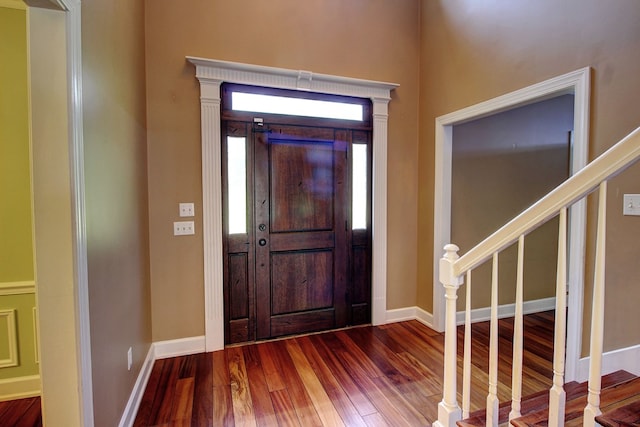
<point>12,339</point>
<point>409,313</point>
<point>179,347</point>
<point>157,350</point>
<point>627,359</point>
<point>20,387</point>
<point>508,310</point>
<point>576,82</point>
<point>211,74</point>
<point>17,288</point>
<point>76,144</point>
<point>131,410</point>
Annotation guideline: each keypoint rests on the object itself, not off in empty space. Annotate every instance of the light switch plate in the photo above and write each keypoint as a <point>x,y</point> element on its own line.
<point>631,204</point>
<point>187,209</point>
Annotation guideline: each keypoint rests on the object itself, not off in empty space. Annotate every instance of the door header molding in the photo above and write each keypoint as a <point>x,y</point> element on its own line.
<point>211,74</point>
<point>282,78</point>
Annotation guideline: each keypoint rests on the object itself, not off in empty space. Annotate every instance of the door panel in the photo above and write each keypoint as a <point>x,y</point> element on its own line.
<point>300,269</point>
<point>302,185</point>
<point>301,281</point>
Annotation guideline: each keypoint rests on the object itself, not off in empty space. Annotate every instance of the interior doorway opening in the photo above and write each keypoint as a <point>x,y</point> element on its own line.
<point>576,83</point>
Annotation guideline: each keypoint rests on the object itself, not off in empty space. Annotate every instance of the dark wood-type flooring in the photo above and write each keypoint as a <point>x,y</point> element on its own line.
<point>21,413</point>
<point>366,376</point>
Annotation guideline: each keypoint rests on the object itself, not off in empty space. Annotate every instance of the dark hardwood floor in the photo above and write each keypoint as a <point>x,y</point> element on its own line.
<point>376,376</point>
<point>21,413</point>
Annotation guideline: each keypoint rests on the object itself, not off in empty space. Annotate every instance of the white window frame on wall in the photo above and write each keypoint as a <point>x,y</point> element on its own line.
<point>211,74</point>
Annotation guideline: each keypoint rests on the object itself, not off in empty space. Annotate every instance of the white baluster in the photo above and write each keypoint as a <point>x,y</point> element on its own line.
<point>557,395</point>
<point>448,409</point>
<point>492,397</point>
<point>597,314</point>
<point>516,373</point>
<point>466,372</point>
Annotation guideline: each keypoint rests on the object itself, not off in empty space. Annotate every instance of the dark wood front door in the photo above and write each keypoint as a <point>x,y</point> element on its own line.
<point>301,259</point>
<point>299,267</point>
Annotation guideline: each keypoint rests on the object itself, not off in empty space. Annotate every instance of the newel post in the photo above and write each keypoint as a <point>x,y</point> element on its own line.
<point>448,409</point>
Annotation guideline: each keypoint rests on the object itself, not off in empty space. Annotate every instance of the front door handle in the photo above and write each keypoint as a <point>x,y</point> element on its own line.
<point>262,242</point>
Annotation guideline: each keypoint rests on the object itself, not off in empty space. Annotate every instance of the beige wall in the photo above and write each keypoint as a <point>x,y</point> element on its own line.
<point>116,198</point>
<point>502,164</point>
<point>473,51</point>
<point>368,39</point>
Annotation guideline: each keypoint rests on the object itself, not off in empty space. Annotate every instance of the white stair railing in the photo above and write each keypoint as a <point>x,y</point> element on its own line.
<point>453,269</point>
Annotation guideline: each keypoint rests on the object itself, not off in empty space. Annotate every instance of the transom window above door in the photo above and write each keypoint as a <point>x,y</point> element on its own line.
<point>351,112</point>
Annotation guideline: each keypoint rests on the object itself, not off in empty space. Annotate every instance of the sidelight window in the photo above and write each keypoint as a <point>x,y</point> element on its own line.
<point>359,190</point>
<point>237,182</point>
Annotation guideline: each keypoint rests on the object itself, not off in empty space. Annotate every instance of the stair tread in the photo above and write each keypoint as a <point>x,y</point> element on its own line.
<point>540,401</point>
<point>613,389</point>
<point>628,415</point>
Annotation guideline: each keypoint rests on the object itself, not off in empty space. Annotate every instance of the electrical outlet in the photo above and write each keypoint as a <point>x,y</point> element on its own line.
<point>187,209</point>
<point>631,204</point>
<point>129,358</point>
<point>183,228</point>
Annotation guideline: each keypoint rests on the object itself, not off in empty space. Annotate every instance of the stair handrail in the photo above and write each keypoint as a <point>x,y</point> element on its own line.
<point>453,268</point>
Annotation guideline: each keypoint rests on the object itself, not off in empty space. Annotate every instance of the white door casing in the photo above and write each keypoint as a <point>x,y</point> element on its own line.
<point>576,83</point>
<point>211,74</point>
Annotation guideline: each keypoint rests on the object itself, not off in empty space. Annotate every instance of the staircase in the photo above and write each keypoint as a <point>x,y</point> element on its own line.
<point>618,390</point>
<point>612,400</point>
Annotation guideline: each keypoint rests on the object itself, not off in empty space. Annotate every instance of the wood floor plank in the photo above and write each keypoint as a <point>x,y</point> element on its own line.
<point>202,412</point>
<point>262,406</point>
<point>220,368</point>
<point>183,401</point>
<point>285,411</point>
<point>304,408</point>
<point>243,413</point>
<point>356,396</point>
<point>271,372</point>
<point>375,420</point>
<point>336,393</point>
<point>321,401</point>
<point>384,405</point>
<point>146,405</point>
<point>222,411</point>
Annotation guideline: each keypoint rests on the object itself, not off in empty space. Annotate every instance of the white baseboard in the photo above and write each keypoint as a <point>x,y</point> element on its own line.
<point>409,313</point>
<point>179,347</point>
<point>627,359</point>
<point>477,315</point>
<point>20,388</point>
<point>130,411</point>
<point>158,350</point>
<point>508,310</point>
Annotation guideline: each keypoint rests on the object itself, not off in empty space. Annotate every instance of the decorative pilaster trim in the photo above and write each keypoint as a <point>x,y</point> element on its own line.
<point>12,339</point>
<point>212,212</point>
<point>379,211</point>
<point>211,74</point>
